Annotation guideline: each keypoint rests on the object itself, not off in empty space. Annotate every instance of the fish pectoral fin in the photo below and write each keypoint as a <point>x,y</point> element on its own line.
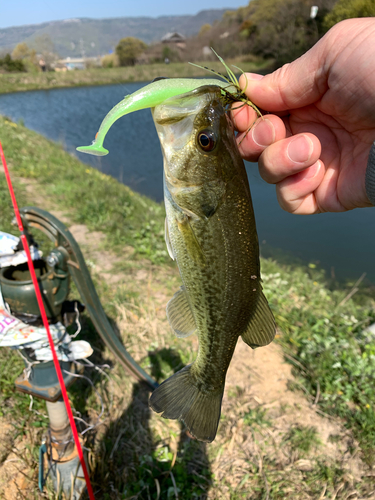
<point>180,315</point>
<point>262,327</point>
<point>168,241</point>
<point>191,242</point>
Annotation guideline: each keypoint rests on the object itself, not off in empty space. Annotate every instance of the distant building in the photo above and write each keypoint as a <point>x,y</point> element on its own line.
<point>72,63</point>
<point>173,38</point>
<point>60,68</point>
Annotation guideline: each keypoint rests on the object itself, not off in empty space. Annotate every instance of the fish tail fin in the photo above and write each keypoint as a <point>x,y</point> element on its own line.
<point>179,398</point>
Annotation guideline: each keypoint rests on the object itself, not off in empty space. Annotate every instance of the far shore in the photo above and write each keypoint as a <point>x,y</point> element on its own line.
<point>19,82</point>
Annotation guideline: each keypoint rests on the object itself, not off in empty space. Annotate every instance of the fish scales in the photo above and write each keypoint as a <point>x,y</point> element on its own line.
<point>211,233</point>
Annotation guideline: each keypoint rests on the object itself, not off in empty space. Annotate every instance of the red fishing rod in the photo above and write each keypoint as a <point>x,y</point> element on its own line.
<point>46,326</point>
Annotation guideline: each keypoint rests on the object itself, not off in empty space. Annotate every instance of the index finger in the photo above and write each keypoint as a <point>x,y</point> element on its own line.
<point>243,116</point>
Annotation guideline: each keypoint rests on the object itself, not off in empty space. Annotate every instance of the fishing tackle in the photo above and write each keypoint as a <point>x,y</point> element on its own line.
<point>159,90</point>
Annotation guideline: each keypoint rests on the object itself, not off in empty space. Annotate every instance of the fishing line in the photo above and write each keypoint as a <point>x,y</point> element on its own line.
<point>46,326</point>
<point>79,328</point>
<point>90,364</point>
<point>89,426</point>
<point>99,368</point>
<point>33,410</point>
<point>29,365</point>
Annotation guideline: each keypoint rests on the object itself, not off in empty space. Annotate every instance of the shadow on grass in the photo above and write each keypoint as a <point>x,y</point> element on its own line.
<point>132,463</point>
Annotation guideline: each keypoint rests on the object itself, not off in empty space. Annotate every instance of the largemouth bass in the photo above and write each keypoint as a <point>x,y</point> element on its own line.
<point>211,233</point>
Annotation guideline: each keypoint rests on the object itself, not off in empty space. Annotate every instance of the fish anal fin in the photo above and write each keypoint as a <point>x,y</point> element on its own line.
<point>262,327</point>
<point>180,315</point>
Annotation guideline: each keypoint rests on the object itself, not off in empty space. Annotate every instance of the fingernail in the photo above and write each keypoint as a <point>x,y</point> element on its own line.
<point>300,149</point>
<point>263,133</point>
<point>254,76</point>
<point>311,171</point>
<point>246,77</point>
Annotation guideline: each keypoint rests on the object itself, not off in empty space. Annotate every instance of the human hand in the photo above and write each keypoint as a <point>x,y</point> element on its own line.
<point>315,149</point>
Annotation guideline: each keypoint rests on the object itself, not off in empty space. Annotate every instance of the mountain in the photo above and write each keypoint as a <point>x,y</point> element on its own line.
<point>92,37</point>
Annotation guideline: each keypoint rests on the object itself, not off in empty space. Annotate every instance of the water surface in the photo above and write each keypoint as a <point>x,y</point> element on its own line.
<point>342,243</point>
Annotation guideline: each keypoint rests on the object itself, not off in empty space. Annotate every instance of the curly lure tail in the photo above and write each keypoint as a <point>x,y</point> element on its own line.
<point>148,97</point>
<point>178,397</point>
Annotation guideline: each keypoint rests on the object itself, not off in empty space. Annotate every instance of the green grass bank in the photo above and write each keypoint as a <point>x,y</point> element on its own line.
<point>16,82</point>
<point>322,330</point>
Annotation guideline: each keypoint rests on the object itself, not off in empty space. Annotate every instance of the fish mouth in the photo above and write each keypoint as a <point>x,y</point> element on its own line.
<point>178,107</point>
<point>176,120</point>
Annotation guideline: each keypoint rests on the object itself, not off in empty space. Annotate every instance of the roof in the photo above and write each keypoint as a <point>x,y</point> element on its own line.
<point>173,37</point>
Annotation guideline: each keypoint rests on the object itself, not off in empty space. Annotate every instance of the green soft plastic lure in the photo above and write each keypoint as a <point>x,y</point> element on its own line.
<point>157,92</point>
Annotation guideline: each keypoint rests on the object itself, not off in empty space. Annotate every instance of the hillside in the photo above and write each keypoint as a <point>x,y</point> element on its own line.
<point>92,37</point>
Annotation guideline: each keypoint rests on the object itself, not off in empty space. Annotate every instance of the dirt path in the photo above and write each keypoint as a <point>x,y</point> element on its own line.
<point>262,378</point>
<point>260,412</point>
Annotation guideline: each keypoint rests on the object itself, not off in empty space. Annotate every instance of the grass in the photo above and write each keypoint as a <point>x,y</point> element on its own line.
<point>257,417</point>
<point>333,354</point>
<point>302,439</point>
<point>16,82</point>
<point>133,220</point>
<point>134,453</point>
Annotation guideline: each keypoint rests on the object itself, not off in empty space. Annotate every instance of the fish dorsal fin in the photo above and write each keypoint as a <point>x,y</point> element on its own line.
<point>262,327</point>
<point>167,240</point>
<point>180,315</point>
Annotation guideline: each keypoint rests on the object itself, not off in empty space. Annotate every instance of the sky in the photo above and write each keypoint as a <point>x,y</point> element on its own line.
<point>20,12</point>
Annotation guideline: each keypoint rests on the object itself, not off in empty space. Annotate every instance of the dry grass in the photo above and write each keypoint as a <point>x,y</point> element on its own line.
<point>272,443</point>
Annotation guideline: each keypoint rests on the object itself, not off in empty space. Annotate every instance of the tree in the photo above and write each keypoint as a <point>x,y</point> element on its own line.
<point>277,29</point>
<point>22,52</point>
<point>346,9</point>
<point>45,48</point>
<point>43,44</point>
<point>128,49</point>
<point>205,28</point>
<point>8,64</point>
<point>110,61</point>
<point>282,29</point>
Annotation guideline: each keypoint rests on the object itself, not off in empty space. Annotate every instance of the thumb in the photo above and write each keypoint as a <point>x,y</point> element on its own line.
<point>294,85</point>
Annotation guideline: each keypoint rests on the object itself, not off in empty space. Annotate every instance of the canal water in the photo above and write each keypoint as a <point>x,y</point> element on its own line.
<point>342,243</point>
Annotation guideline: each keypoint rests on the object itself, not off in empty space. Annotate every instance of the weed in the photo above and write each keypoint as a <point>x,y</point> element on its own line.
<point>303,439</point>
<point>334,355</point>
<point>257,417</point>
<point>334,438</point>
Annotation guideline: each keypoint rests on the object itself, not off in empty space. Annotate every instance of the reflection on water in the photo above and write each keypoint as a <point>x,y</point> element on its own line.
<point>72,117</point>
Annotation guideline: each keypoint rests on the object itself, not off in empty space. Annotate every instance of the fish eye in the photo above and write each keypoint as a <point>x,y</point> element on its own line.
<point>207,140</point>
